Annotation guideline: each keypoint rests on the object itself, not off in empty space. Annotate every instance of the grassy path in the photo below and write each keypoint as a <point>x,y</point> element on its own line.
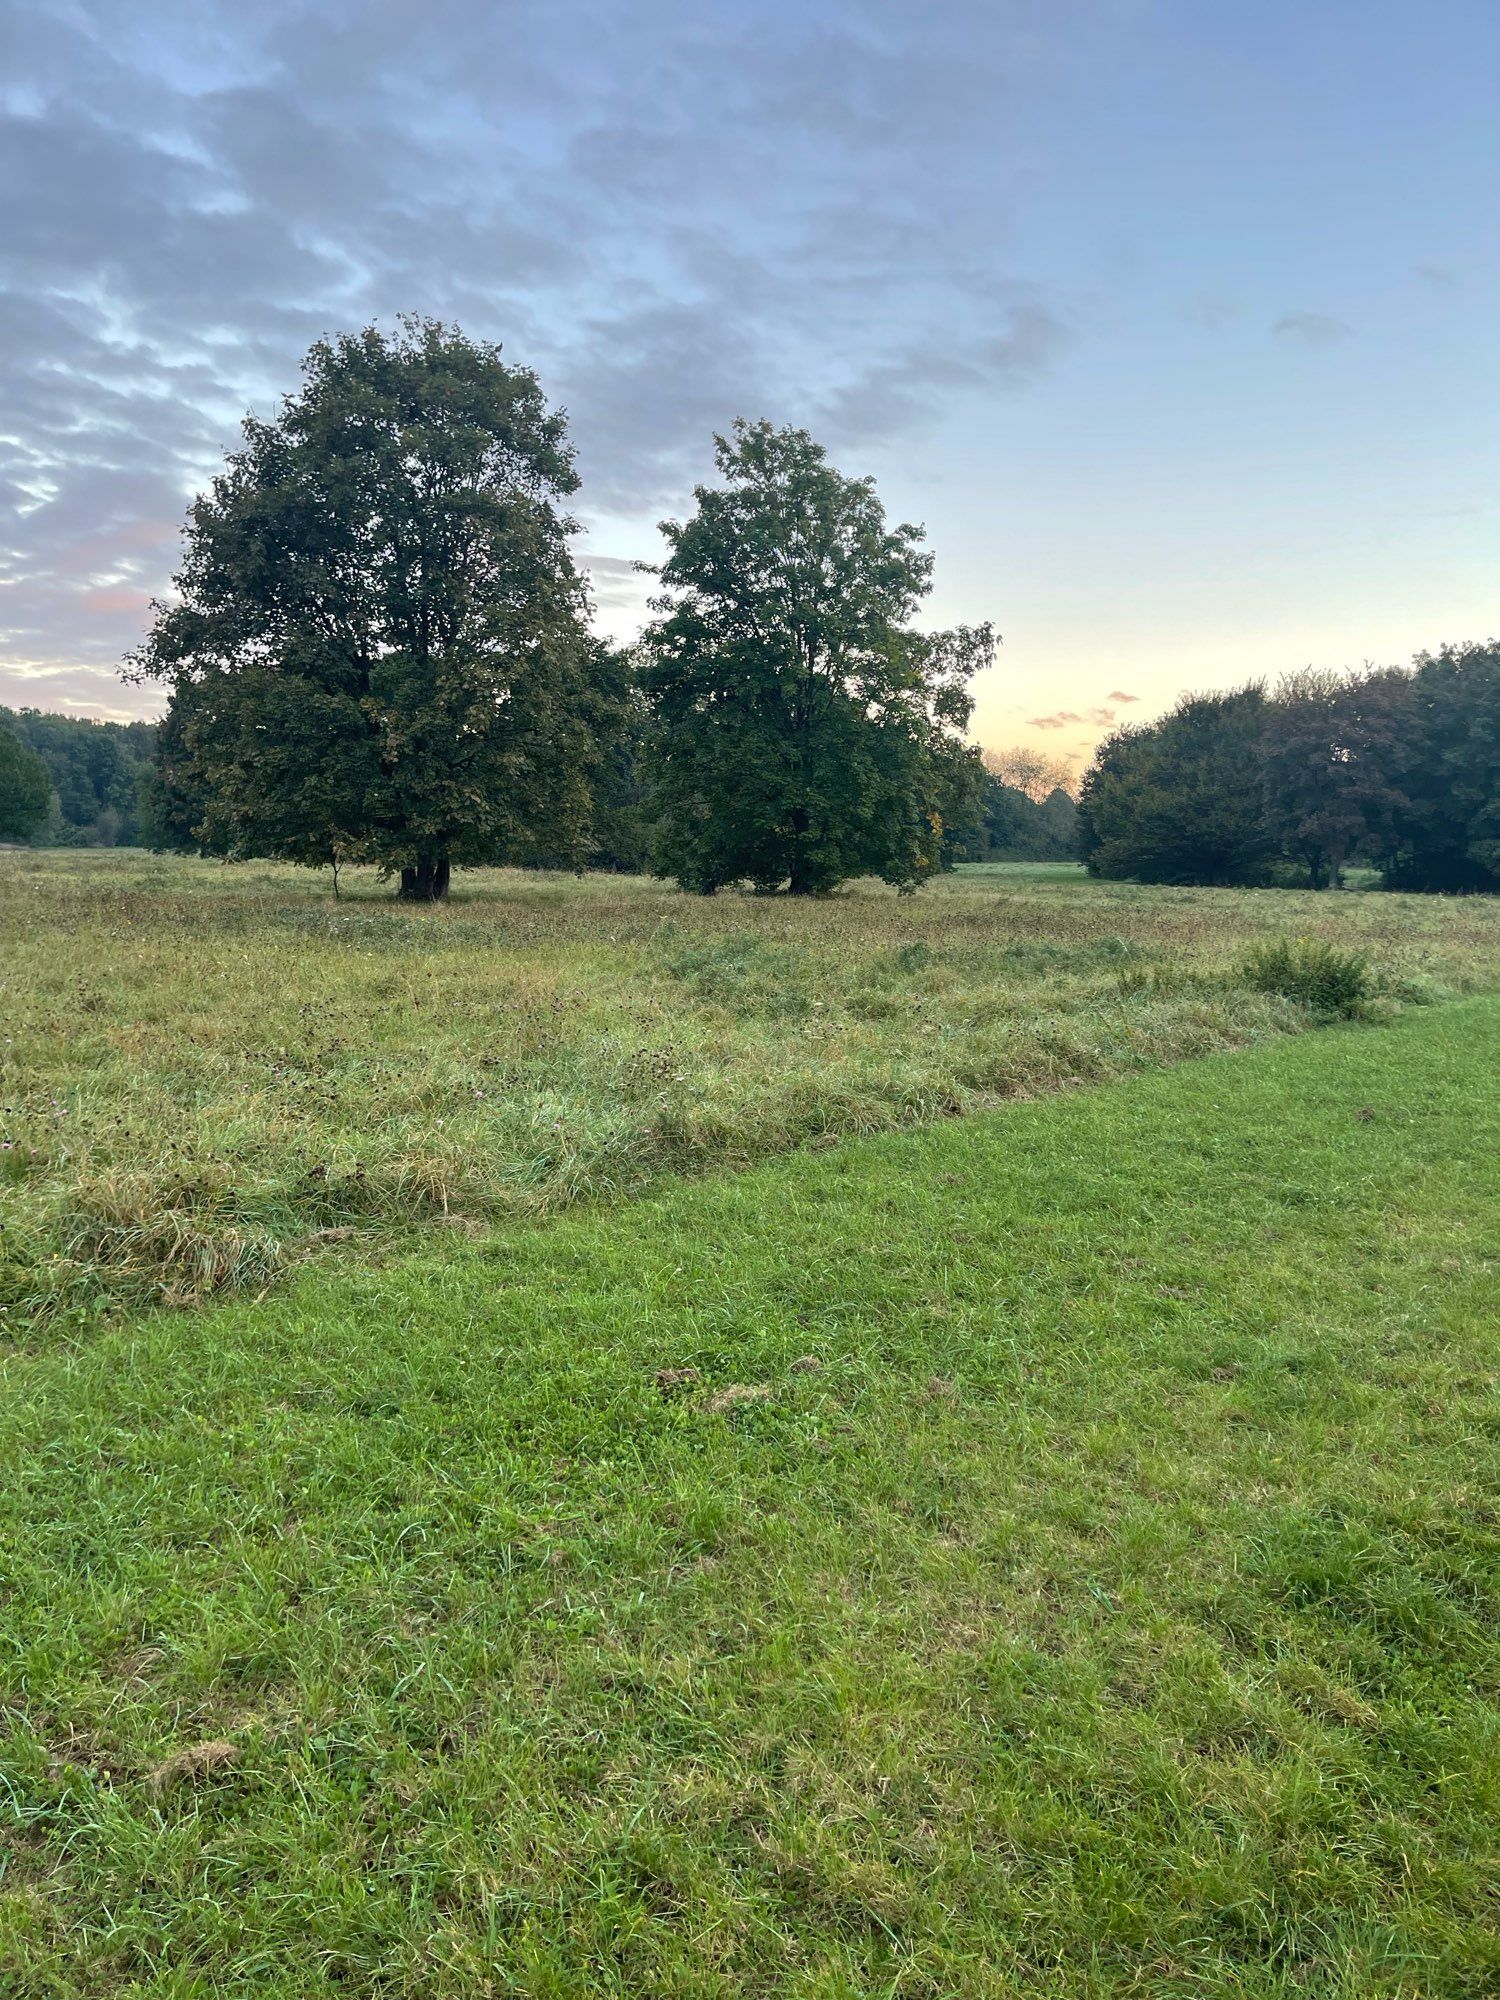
<point>1090,1588</point>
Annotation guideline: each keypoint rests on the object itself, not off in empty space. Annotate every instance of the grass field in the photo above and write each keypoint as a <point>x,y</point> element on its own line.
<point>1059,1560</point>
<point>207,1071</point>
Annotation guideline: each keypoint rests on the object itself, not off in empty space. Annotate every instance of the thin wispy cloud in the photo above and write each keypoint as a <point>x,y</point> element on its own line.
<point>1098,718</point>
<point>1313,329</point>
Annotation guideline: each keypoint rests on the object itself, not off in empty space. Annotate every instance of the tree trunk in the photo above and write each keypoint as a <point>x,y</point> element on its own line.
<point>427,882</point>
<point>799,879</point>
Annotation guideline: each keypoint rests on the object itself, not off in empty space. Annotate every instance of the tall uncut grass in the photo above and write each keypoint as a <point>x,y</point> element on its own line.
<point>205,1070</point>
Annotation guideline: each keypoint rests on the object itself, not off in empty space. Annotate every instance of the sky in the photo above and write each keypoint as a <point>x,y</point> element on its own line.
<point>1174,321</point>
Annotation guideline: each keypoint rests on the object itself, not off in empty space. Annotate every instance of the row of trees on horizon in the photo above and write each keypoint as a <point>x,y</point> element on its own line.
<point>1387,768</point>
<point>1393,768</point>
<point>86,782</point>
<point>380,652</point>
<point>74,781</point>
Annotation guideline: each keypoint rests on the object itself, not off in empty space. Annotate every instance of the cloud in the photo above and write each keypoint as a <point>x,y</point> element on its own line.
<point>617,583</point>
<point>78,691</point>
<point>1065,716</point>
<point>676,216</point>
<point>1211,310</point>
<point>611,566</point>
<point>1313,329</point>
<point>900,390</point>
<point>1119,695</point>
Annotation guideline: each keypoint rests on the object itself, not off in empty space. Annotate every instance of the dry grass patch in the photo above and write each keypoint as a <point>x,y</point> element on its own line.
<point>205,1070</point>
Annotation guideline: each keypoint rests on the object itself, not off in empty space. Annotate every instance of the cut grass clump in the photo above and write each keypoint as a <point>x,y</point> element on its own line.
<point>1333,984</point>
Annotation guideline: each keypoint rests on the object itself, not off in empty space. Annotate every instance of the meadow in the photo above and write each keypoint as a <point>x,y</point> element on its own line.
<point>1051,1553</point>
<point>209,1072</point>
<point>598,1442</point>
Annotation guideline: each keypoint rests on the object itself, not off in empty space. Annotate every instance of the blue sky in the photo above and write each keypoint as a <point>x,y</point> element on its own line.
<point>1175,323</point>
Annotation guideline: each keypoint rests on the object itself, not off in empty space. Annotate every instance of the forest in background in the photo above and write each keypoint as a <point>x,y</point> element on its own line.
<point>98,773</point>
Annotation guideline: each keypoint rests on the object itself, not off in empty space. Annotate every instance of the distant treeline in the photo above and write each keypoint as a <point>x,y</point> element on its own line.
<point>1397,769</point>
<point>1016,806</point>
<point>100,793</point>
<point>1012,825</point>
<point>96,775</point>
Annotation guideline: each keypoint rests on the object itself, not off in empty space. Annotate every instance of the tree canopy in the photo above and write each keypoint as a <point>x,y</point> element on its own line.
<point>380,649</point>
<point>1183,799</point>
<point>1331,750</point>
<point>25,788</point>
<point>1013,826</point>
<point>1445,825</point>
<point>806,732</point>
<point>1023,768</point>
<point>1399,769</point>
<point>1025,810</point>
<point>96,771</point>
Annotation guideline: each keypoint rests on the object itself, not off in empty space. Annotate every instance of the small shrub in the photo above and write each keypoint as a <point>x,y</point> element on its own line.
<point>1333,983</point>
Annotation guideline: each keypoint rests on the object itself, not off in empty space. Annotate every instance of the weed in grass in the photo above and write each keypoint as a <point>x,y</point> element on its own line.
<point>1334,984</point>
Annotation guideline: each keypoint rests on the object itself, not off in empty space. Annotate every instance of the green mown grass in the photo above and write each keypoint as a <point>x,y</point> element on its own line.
<point>1095,1594</point>
<point>202,1068</point>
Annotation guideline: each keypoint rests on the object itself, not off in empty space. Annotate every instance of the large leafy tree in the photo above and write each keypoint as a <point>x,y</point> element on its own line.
<point>1332,749</point>
<point>1182,799</point>
<point>1446,830</point>
<point>805,732</point>
<point>379,650</point>
<point>25,788</point>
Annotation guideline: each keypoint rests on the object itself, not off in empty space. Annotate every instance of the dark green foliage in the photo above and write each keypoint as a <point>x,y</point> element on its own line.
<point>94,772</point>
<point>1399,769</point>
<point>805,733</point>
<point>621,840</point>
<point>1057,833</point>
<point>1331,982</point>
<point>1012,826</point>
<point>1183,799</point>
<point>1446,826</point>
<point>25,788</point>
<point>1333,756</point>
<point>174,802</point>
<point>380,652</point>
<point>956,797</point>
